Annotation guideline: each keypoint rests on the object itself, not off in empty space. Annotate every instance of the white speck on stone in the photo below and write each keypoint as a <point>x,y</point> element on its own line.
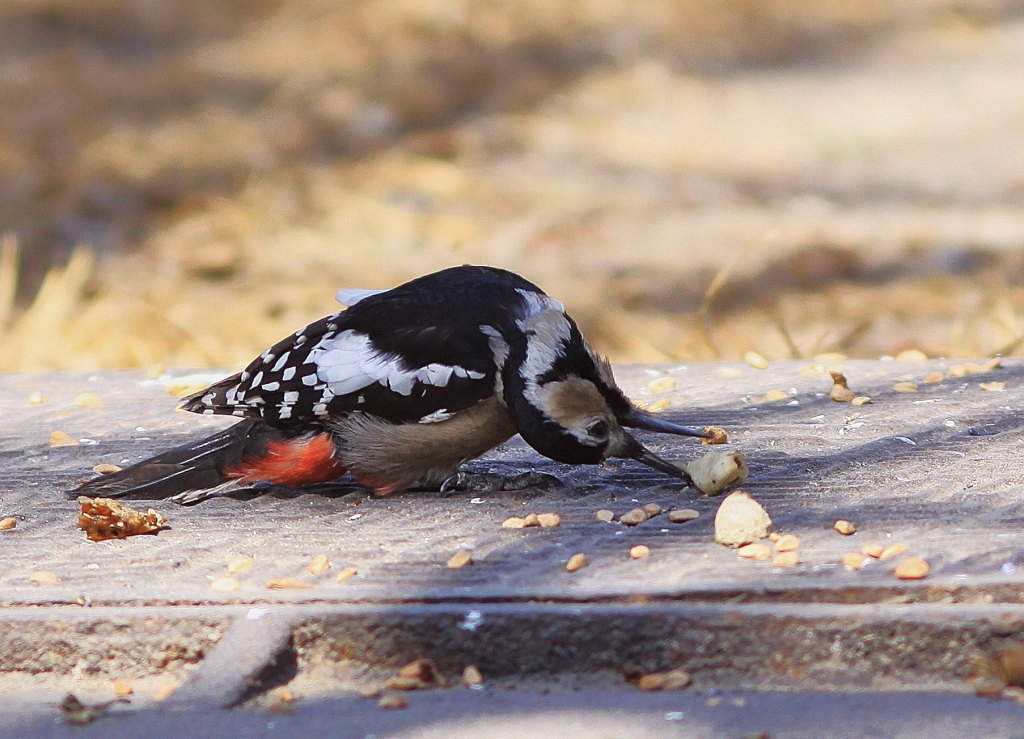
<point>1008,568</point>
<point>255,614</point>
<point>471,621</point>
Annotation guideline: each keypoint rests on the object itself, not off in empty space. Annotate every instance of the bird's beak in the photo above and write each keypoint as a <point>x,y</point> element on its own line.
<point>637,419</point>
<point>636,450</point>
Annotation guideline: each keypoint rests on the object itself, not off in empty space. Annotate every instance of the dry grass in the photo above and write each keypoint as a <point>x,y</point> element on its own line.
<point>693,179</point>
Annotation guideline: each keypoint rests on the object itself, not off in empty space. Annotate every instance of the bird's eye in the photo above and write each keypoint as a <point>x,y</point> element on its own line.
<point>598,429</point>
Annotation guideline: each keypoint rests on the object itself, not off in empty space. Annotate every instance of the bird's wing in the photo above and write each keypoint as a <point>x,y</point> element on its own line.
<point>380,357</point>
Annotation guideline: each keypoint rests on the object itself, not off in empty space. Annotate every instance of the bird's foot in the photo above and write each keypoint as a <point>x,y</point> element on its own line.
<point>491,482</point>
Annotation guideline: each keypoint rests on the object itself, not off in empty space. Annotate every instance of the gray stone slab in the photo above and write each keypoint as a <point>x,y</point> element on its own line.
<point>935,470</point>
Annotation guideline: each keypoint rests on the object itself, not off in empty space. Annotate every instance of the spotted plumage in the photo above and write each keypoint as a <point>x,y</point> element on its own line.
<point>405,385</point>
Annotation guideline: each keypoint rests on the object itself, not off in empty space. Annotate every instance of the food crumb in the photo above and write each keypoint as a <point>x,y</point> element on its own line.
<point>122,687</point>
<point>634,517</point>
<point>239,565</point>
<point>787,543</point>
<point>8,523</point>
<point>860,400</point>
<point>62,438</point>
<point>853,560</point>
<point>36,398</point>
<point>872,550</point>
<point>576,562</point>
<point>392,702</point>
<point>933,377</point>
<point>651,509</point>
<point>756,550</point>
<point>640,551</point>
<point>287,583</point>
<point>346,573</point>
<point>992,387</point>
<point>104,518</point>
<point>471,676</point>
<point>319,564</point>
<point>905,387</point>
<point>43,577</point>
<point>786,559</point>
<point>225,584</point>
<point>774,395</point>
<point>513,522</point>
<point>755,360</point>
<point>844,527</point>
<point>88,400</point>
<point>892,550</point>
<point>682,515</point>
<point>106,469</point>
<point>914,568</point>
<point>661,385</point>
<point>717,436</point>
<point>604,515</point>
<point>460,559</point>
<point>548,520</point>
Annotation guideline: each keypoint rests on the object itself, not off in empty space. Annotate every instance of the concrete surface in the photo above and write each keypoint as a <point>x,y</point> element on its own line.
<point>936,470</point>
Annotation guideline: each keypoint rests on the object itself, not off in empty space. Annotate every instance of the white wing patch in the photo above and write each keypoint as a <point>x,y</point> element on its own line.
<point>348,362</point>
<point>349,296</point>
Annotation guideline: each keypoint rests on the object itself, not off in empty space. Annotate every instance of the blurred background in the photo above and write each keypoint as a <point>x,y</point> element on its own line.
<point>184,183</point>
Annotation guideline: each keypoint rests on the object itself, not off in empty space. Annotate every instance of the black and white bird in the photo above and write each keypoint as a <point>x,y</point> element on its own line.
<point>405,386</point>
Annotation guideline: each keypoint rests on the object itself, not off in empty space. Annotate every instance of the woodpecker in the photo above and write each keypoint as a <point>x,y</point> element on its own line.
<point>404,386</point>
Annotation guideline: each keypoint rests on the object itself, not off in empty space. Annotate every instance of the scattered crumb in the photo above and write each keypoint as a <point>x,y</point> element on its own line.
<point>844,527</point>
<point>8,523</point>
<point>392,702</point>
<point>774,536</point>
<point>549,520</point>
<point>36,398</point>
<point>369,691</point>
<point>786,559</point>
<point>729,372</point>
<point>755,360</point>
<point>905,387</point>
<point>993,387</point>
<point>225,584</point>
<point>513,522</point>
<point>346,573</point>
<point>287,583</point>
<point>640,551</point>
<point>957,370</point>
<point>661,385</point>
<point>285,695</point>
<point>239,565</point>
<point>634,517</point>
<point>853,560</point>
<point>319,564</point>
<point>44,577</point>
<point>992,364</point>
<point>531,519</point>
<point>671,680</point>
<point>756,550</point>
<point>715,473</point>
<point>841,393</point>
<point>913,568</point>
<point>775,395</point>
<point>741,520</point>
<point>471,676</point>
<point>103,518</point>
<point>651,509</point>
<point>88,400</point>
<point>659,405</point>
<point>461,558</point>
<point>62,438</point>
<point>105,469</point>
<point>576,562</point>
<point>122,687</point>
<point>181,389</point>
<point>860,400</point>
<point>911,355</point>
<point>682,515</point>
<point>872,550</point>
<point>604,515</point>
<point>787,543</point>
<point>933,377</point>
<point>718,436</point>
<point>892,550</point>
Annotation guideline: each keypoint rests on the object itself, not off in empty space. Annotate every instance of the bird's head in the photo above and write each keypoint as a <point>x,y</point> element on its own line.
<point>566,402</point>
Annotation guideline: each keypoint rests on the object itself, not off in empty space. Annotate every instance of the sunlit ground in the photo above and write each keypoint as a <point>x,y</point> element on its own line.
<point>694,180</point>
